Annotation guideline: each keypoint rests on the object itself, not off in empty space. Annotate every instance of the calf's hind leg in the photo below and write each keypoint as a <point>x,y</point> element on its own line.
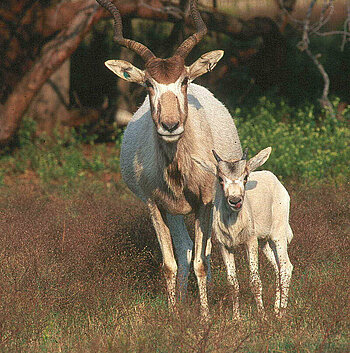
<point>270,255</point>
<point>279,247</point>
<point>255,281</point>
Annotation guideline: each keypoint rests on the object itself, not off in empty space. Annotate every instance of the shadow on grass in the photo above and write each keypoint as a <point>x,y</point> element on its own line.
<point>82,274</point>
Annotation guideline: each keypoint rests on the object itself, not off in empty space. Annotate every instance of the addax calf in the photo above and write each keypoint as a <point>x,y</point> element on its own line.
<point>250,207</point>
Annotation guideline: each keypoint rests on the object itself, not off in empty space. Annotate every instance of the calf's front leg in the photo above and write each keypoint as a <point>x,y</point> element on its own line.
<point>229,260</point>
<point>202,254</point>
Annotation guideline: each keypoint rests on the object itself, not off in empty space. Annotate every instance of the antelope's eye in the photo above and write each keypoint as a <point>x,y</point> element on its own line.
<point>149,84</point>
<point>220,180</point>
<point>185,81</point>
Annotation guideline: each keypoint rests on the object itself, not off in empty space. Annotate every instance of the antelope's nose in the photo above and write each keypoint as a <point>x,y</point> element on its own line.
<point>235,201</point>
<point>170,127</point>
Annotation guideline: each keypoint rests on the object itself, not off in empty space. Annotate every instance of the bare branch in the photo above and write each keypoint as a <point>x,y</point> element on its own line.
<point>309,29</point>
<point>346,27</point>
<point>325,102</point>
<point>323,20</point>
<point>332,33</point>
<point>169,10</point>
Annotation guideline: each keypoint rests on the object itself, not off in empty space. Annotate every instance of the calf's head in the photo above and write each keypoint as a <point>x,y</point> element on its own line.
<point>166,80</point>
<point>233,175</point>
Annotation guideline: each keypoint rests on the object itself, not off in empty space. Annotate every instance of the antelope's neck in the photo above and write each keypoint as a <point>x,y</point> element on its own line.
<point>185,185</point>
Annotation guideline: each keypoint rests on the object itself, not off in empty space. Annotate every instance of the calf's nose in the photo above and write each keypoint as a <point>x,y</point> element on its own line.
<point>234,200</point>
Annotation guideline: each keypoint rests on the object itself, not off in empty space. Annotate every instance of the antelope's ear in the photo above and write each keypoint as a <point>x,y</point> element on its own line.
<point>206,166</point>
<point>259,159</point>
<point>205,63</point>
<point>126,71</point>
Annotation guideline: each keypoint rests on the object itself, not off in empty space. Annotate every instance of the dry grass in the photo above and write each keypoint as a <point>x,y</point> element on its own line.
<point>81,273</point>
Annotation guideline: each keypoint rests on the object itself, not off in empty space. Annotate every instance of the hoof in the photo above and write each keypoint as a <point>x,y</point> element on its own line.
<point>236,316</point>
<point>281,314</point>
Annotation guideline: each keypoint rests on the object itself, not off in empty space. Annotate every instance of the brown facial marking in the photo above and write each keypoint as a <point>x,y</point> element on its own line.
<point>170,107</point>
<point>165,70</point>
<point>233,169</point>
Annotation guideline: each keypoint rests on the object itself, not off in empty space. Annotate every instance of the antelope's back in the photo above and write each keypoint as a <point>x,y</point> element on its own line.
<point>223,129</point>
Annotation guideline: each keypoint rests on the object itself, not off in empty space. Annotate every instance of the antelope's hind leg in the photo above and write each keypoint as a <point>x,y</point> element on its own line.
<point>183,249</point>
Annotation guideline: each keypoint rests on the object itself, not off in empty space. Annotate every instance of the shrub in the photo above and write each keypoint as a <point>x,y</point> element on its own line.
<point>306,147</point>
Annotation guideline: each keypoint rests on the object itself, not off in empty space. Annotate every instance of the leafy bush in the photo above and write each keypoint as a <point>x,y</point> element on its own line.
<point>306,147</point>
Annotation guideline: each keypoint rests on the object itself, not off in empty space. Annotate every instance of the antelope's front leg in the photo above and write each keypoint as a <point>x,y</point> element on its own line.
<point>229,260</point>
<point>202,254</point>
<point>255,281</point>
<point>166,246</point>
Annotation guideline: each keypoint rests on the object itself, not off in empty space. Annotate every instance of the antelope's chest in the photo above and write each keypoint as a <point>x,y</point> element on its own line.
<point>171,203</point>
<point>182,194</point>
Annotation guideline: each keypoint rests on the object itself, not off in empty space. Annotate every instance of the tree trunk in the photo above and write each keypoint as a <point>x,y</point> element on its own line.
<point>51,103</point>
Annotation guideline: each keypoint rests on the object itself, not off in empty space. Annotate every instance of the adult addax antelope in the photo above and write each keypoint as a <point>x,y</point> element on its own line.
<point>177,120</point>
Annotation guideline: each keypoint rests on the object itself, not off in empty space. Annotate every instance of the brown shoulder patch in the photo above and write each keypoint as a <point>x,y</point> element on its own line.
<point>165,70</point>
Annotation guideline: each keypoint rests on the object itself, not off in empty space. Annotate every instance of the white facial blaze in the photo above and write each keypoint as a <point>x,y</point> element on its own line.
<point>233,187</point>
<point>160,88</point>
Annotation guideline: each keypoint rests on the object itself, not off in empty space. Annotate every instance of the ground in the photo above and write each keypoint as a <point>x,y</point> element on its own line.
<point>81,272</point>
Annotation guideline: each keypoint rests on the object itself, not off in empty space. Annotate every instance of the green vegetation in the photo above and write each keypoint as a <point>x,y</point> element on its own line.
<point>309,146</point>
<point>65,158</point>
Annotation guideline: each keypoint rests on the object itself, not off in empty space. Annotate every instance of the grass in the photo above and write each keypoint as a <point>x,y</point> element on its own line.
<point>306,144</point>
<point>81,272</point>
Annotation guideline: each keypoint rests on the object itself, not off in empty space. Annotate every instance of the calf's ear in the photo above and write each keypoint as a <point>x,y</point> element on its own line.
<point>259,159</point>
